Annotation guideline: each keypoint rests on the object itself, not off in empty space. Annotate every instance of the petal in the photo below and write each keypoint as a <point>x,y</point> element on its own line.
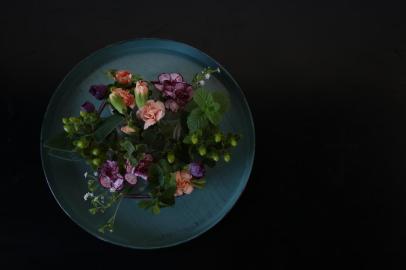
<point>159,86</point>
<point>176,77</point>
<point>188,189</point>
<point>164,77</point>
<point>105,181</point>
<point>131,178</point>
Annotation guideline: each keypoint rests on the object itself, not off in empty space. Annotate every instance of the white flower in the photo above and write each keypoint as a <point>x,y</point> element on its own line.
<point>201,82</point>
<point>95,174</point>
<point>88,195</point>
<point>85,174</point>
<point>207,76</point>
<point>218,70</point>
<point>112,189</point>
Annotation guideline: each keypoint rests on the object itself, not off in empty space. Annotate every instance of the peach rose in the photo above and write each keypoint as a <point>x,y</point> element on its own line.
<point>141,88</point>
<point>151,112</point>
<point>126,96</point>
<point>183,183</point>
<point>123,76</point>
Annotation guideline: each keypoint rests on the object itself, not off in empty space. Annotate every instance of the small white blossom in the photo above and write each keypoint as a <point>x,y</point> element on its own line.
<point>88,195</point>
<point>201,82</point>
<point>95,174</point>
<point>218,70</point>
<point>207,76</point>
<point>112,189</point>
<point>85,174</point>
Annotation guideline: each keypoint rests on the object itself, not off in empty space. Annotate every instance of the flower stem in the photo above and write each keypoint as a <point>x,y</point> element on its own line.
<point>101,107</point>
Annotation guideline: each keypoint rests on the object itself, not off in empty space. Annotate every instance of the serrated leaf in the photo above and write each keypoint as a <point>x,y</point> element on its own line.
<point>107,126</point>
<point>222,99</point>
<point>203,98</point>
<point>196,120</point>
<point>214,117</point>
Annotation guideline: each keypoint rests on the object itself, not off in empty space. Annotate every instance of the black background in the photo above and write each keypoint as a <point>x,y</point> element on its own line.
<point>326,82</point>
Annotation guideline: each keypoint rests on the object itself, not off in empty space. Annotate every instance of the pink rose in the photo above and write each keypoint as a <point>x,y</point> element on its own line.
<point>183,183</point>
<point>123,76</point>
<point>151,112</point>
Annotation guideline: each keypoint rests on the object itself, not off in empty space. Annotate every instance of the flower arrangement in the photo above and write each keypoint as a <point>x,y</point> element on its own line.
<point>155,146</point>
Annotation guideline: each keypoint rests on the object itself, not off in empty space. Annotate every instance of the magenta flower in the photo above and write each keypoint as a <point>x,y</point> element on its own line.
<point>142,167</point>
<point>175,90</point>
<point>197,169</point>
<point>88,107</point>
<point>110,177</point>
<point>99,91</point>
<point>130,175</point>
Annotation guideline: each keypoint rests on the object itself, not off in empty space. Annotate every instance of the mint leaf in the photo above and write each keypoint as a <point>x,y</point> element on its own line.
<point>222,99</point>
<point>214,117</point>
<point>203,98</point>
<point>196,120</point>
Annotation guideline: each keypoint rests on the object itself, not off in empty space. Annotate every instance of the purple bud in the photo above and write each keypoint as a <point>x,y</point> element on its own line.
<point>88,107</point>
<point>99,91</point>
<point>197,169</point>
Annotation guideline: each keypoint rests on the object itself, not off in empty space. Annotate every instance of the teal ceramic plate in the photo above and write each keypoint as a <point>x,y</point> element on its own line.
<point>192,215</point>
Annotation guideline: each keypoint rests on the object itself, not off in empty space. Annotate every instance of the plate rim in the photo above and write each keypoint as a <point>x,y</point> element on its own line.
<point>233,200</point>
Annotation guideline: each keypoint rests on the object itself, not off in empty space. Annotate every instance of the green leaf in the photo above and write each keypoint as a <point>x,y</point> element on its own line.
<point>128,147</point>
<point>202,98</point>
<point>155,209</point>
<point>222,99</point>
<point>107,126</point>
<point>196,120</point>
<point>214,117</point>
<point>145,204</point>
<point>118,103</point>
<point>199,183</point>
<point>60,142</point>
<point>168,196</point>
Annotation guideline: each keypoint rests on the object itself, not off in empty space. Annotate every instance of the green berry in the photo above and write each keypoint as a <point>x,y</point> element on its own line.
<point>65,120</point>
<point>83,114</point>
<point>96,161</point>
<point>82,143</point>
<point>96,151</point>
<point>227,157</point>
<point>68,128</point>
<point>215,157</point>
<point>202,150</point>
<point>233,142</point>
<point>170,157</point>
<point>217,137</point>
<point>194,139</point>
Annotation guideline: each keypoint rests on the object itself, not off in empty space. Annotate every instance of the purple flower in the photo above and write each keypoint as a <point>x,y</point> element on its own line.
<point>88,107</point>
<point>110,177</point>
<point>197,169</point>
<point>142,167</point>
<point>99,91</point>
<point>130,175</point>
<point>175,90</point>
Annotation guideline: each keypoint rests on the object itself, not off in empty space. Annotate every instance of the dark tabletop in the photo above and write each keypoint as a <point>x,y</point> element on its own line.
<point>326,82</point>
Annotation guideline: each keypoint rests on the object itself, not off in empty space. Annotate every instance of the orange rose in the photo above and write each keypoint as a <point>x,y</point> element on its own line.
<point>183,183</point>
<point>123,76</point>
<point>151,112</point>
<point>128,99</point>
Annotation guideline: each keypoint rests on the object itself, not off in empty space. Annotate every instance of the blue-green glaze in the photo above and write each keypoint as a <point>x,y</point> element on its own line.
<point>192,215</point>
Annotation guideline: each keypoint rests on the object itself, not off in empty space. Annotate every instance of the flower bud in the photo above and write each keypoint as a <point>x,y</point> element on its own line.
<point>214,156</point>
<point>87,107</point>
<point>141,93</point>
<point>96,162</point>
<point>123,76</point>
<point>202,150</point>
<point>233,142</point>
<point>128,129</point>
<point>65,120</point>
<point>194,139</point>
<point>170,157</point>
<point>82,143</point>
<point>118,103</point>
<point>96,151</point>
<point>99,91</point>
<point>217,137</point>
<point>227,157</point>
<point>68,128</point>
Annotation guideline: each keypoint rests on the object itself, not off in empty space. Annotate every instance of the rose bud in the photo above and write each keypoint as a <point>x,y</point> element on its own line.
<point>141,93</point>
<point>99,91</point>
<point>88,107</point>
<point>128,130</point>
<point>123,77</point>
